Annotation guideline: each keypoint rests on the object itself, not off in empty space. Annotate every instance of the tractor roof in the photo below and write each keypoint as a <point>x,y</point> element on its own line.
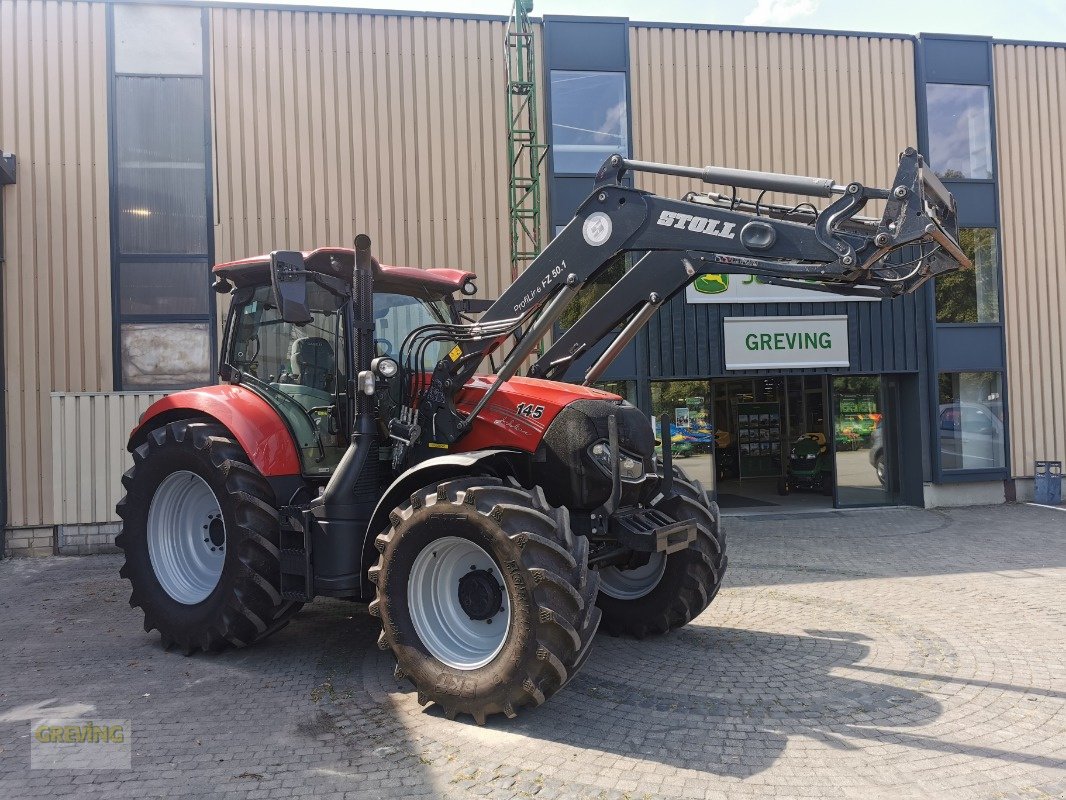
<point>339,262</point>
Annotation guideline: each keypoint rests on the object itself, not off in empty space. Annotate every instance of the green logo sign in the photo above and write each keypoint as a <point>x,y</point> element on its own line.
<point>712,284</point>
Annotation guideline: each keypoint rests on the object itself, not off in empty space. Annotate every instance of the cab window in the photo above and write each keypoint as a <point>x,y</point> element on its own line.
<point>397,315</point>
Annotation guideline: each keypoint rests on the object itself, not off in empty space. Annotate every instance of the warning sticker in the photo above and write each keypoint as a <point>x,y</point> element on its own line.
<point>455,353</point>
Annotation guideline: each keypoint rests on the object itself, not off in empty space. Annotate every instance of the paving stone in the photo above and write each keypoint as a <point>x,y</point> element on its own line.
<point>876,654</point>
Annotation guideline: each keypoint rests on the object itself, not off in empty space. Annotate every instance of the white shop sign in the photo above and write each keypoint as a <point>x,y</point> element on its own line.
<point>722,288</point>
<point>789,342</point>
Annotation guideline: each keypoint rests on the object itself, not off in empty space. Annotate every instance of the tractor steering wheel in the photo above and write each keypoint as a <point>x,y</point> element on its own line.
<point>382,347</point>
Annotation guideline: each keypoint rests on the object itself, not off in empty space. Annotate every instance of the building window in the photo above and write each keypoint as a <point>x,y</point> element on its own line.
<point>970,421</point>
<point>971,295</point>
<point>161,188</point>
<point>960,131</point>
<point>590,120</point>
<point>159,199</point>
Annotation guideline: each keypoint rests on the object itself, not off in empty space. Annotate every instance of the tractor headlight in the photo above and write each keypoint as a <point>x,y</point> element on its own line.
<point>630,468</point>
<point>385,367</point>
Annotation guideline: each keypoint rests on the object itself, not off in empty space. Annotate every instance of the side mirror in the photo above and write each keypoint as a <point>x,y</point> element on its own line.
<point>289,281</point>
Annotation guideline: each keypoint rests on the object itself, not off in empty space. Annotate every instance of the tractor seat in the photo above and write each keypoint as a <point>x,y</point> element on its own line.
<point>313,363</point>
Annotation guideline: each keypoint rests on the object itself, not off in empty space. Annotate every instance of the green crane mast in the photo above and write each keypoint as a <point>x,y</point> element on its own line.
<point>524,152</point>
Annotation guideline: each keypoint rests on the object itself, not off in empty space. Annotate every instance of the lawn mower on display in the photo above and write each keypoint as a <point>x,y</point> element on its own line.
<point>809,466</point>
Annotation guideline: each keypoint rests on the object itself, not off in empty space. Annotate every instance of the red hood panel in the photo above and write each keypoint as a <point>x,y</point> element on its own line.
<point>520,411</point>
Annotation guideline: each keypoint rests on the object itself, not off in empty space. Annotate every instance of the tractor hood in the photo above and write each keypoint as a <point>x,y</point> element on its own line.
<point>520,412</point>
<point>561,422</point>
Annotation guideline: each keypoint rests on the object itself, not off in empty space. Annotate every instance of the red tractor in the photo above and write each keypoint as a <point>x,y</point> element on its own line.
<point>492,522</point>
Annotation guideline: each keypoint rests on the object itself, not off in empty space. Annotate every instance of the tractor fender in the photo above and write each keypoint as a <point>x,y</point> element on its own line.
<point>254,423</point>
<point>500,462</point>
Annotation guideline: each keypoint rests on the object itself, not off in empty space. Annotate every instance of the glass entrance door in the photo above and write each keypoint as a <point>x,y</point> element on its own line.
<point>863,451</point>
<point>690,431</point>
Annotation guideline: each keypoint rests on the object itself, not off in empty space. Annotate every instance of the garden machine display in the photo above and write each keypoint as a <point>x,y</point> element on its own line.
<point>809,466</point>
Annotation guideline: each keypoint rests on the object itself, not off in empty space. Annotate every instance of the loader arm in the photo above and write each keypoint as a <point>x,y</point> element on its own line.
<point>674,242</point>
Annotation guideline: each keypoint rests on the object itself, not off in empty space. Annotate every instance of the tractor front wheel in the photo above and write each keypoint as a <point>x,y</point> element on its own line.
<point>670,590</point>
<point>200,535</point>
<point>485,596</point>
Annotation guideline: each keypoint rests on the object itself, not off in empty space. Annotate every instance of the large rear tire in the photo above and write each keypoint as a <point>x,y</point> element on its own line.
<point>485,596</point>
<point>670,590</point>
<point>200,535</point>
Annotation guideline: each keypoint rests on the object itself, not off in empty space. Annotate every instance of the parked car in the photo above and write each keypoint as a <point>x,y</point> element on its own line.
<point>877,453</point>
<point>970,435</point>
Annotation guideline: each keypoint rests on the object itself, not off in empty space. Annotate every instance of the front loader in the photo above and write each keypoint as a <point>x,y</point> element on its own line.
<point>354,449</point>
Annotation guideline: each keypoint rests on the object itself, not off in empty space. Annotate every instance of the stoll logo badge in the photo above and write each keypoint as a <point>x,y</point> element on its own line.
<point>80,744</point>
<point>597,229</point>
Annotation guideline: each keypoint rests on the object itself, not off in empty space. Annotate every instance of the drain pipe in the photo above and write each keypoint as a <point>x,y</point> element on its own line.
<point>7,177</point>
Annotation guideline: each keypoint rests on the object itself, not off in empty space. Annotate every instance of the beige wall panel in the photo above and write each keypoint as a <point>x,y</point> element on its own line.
<point>328,125</point>
<point>1030,87</point>
<point>813,104</point>
<point>93,429</point>
<point>57,295</point>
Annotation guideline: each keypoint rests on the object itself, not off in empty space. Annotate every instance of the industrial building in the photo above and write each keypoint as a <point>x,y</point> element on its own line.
<point>143,143</point>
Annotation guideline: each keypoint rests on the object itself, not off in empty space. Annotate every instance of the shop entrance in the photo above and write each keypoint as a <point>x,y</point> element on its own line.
<point>783,442</point>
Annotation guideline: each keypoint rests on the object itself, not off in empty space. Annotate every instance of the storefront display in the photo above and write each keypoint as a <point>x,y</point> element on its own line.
<point>759,439</point>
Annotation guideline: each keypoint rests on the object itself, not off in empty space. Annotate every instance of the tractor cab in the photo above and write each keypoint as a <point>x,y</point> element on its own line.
<point>299,361</point>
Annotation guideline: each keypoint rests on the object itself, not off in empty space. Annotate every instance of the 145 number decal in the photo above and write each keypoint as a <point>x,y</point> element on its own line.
<point>530,410</point>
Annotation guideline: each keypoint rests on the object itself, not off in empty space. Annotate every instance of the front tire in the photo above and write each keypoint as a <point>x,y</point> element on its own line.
<point>485,596</point>
<point>671,590</point>
<point>200,536</point>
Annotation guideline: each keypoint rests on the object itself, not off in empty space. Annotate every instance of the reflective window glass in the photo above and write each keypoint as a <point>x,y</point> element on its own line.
<point>161,189</point>
<point>971,295</point>
<point>590,119</point>
<point>960,131</point>
<point>970,420</point>
<point>155,288</point>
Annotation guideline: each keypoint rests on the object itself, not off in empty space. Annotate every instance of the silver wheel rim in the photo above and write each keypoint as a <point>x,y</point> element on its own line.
<point>631,584</point>
<point>448,632</point>
<point>186,537</point>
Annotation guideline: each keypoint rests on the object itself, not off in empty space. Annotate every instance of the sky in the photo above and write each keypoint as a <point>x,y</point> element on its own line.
<point>1043,20</point>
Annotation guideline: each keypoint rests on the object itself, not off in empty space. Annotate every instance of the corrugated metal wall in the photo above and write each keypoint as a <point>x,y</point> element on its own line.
<point>1030,86</point>
<point>812,104</point>
<point>85,473</point>
<point>57,287</point>
<point>390,125</point>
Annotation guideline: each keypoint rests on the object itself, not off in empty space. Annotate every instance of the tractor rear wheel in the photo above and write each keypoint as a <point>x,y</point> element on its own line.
<point>485,596</point>
<point>670,590</point>
<point>200,535</point>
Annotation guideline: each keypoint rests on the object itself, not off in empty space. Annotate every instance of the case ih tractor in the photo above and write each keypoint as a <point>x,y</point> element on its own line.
<point>355,449</point>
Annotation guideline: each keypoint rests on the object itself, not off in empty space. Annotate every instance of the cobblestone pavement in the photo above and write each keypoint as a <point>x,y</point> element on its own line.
<point>891,653</point>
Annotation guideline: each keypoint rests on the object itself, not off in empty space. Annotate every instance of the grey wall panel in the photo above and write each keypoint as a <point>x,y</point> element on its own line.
<point>950,60</point>
<point>684,339</point>
<point>571,44</point>
<point>963,348</point>
<point>976,202</point>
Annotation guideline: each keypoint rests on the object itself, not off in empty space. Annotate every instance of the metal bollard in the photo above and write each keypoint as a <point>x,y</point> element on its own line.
<point>1048,482</point>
